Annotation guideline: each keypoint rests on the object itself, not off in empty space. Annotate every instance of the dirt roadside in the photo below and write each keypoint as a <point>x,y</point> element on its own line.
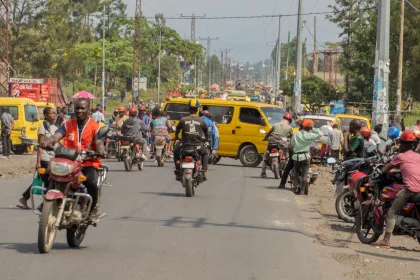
<point>337,240</point>
<point>17,166</point>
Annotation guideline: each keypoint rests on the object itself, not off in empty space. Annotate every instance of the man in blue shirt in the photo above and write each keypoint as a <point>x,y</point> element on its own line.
<point>213,137</point>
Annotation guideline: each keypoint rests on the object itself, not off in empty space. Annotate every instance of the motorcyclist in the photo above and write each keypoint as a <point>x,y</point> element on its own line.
<point>79,133</point>
<point>367,141</point>
<point>408,162</point>
<point>213,133</point>
<point>354,146</point>
<point>276,134</point>
<point>134,128</point>
<point>112,119</point>
<point>121,117</point>
<point>194,134</point>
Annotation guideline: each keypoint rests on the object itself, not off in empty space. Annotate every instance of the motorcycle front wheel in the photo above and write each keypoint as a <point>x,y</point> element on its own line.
<point>141,165</point>
<point>47,231</point>
<point>344,206</point>
<point>365,225</point>
<point>128,165</point>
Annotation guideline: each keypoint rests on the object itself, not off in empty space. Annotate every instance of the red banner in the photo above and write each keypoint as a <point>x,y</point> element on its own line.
<point>36,92</point>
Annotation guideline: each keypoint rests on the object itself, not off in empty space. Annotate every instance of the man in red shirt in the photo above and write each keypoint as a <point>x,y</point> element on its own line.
<point>408,162</point>
<point>81,133</point>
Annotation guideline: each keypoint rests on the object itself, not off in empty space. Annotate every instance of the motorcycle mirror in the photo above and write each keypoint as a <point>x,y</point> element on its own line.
<point>103,131</point>
<point>388,142</point>
<point>262,131</point>
<point>331,161</point>
<point>371,149</point>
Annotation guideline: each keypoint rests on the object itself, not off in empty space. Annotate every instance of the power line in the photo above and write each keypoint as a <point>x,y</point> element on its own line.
<point>316,3</point>
<point>412,6</point>
<point>310,33</point>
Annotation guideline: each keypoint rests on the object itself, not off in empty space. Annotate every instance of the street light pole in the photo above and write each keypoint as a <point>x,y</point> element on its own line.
<point>103,60</point>
<point>160,54</point>
<point>297,89</point>
<point>400,59</point>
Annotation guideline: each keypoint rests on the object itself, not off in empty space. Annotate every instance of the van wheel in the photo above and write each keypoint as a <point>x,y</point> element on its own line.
<point>249,156</point>
<point>20,150</point>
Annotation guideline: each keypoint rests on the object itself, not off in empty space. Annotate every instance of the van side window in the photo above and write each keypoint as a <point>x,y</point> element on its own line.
<point>13,110</point>
<point>175,111</point>
<point>251,116</point>
<point>221,114</point>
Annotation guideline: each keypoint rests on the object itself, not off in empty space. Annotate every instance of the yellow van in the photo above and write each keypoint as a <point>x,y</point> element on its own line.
<point>346,119</point>
<point>240,125</point>
<point>41,106</point>
<point>321,121</point>
<point>26,122</point>
<point>238,95</point>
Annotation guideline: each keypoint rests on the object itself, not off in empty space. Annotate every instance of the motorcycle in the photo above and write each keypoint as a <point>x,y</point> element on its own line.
<point>277,157</point>
<point>372,213</point>
<point>159,147</point>
<point>191,170</point>
<point>66,203</point>
<point>310,179</point>
<point>131,154</point>
<point>111,144</point>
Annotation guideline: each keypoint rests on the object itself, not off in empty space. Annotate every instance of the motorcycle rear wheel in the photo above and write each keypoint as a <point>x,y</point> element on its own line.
<point>75,236</point>
<point>365,223</point>
<point>46,230</point>
<point>159,161</point>
<point>127,164</point>
<point>141,165</point>
<point>344,206</point>
<point>189,188</point>
<point>275,169</point>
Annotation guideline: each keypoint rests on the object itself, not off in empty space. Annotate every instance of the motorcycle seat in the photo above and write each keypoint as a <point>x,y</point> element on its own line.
<point>415,198</point>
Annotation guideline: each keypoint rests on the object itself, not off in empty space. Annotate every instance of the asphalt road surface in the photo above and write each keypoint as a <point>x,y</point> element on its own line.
<point>237,227</point>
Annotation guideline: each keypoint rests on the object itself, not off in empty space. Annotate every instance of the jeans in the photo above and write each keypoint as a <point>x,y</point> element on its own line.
<point>142,142</point>
<point>203,152</point>
<point>7,145</point>
<point>301,169</point>
<point>402,198</point>
<point>91,183</point>
<point>27,193</point>
<point>289,167</point>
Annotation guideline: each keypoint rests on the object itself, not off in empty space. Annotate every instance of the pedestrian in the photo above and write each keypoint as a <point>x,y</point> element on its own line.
<point>98,116</point>
<point>122,96</point>
<point>63,116</point>
<point>7,124</point>
<point>45,134</point>
<point>302,142</point>
<point>354,146</point>
<point>402,124</point>
<point>335,141</point>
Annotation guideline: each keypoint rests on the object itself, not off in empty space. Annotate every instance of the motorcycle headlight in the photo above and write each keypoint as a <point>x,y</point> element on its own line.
<point>61,168</point>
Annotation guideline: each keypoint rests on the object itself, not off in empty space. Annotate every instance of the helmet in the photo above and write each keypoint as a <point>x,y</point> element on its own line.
<point>132,112</point>
<point>121,109</point>
<point>193,103</point>
<point>288,117</point>
<point>408,136</point>
<point>307,123</point>
<point>393,132</point>
<point>366,133</point>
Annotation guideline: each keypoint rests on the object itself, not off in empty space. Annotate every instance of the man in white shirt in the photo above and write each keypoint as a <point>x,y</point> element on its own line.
<point>98,116</point>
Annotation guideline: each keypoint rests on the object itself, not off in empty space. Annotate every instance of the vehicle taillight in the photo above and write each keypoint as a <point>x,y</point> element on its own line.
<point>125,142</point>
<point>188,159</point>
<point>108,140</point>
<point>274,150</point>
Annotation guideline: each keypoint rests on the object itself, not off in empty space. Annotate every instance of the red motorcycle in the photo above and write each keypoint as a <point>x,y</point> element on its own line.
<point>372,214</point>
<point>66,203</point>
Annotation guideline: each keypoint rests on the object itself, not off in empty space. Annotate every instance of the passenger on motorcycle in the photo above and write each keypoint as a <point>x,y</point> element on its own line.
<point>302,142</point>
<point>134,128</point>
<point>408,162</point>
<point>354,146</point>
<point>194,134</point>
<point>159,126</point>
<point>277,132</point>
<point>79,133</point>
<point>112,119</point>
<point>213,133</point>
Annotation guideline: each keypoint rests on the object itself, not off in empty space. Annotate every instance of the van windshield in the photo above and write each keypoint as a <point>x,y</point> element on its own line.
<point>175,111</point>
<point>346,121</point>
<point>273,114</point>
<point>31,113</point>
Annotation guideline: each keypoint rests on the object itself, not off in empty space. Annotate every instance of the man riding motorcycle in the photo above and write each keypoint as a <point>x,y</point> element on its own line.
<point>159,126</point>
<point>194,134</point>
<point>213,135</point>
<point>112,119</point>
<point>408,162</point>
<point>134,128</point>
<point>277,132</point>
<point>121,117</point>
<point>78,134</point>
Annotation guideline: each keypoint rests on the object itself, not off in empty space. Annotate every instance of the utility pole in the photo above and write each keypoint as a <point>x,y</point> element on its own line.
<point>224,64</point>
<point>208,39</point>
<point>297,89</point>
<point>193,17</point>
<point>380,92</point>
<point>4,47</point>
<point>278,61</point>
<point>160,54</point>
<point>400,59</point>
<point>315,56</point>
<point>137,49</point>
<point>103,60</point>
<point>288,54</point>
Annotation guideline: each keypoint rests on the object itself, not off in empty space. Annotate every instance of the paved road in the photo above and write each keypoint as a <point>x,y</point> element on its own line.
<point>237,227</point>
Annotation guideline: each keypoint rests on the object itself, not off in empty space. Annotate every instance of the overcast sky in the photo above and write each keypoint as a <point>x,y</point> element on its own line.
<point>251,39</point>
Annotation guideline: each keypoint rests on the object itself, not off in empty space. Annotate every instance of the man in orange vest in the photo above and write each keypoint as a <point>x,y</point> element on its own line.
<point>79,133</point>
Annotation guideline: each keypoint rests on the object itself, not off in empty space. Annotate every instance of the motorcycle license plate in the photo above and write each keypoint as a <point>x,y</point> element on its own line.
<point>189,165</point>
<point>274,154</point>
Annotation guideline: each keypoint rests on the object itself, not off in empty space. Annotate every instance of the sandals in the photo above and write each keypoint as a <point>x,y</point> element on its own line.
<point>384,244</point>
<point>24,203</point>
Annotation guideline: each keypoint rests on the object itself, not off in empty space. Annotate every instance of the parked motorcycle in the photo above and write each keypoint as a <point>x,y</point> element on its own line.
<point>66,204</point>
<point>191,170</point>
<point>131,154</point>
